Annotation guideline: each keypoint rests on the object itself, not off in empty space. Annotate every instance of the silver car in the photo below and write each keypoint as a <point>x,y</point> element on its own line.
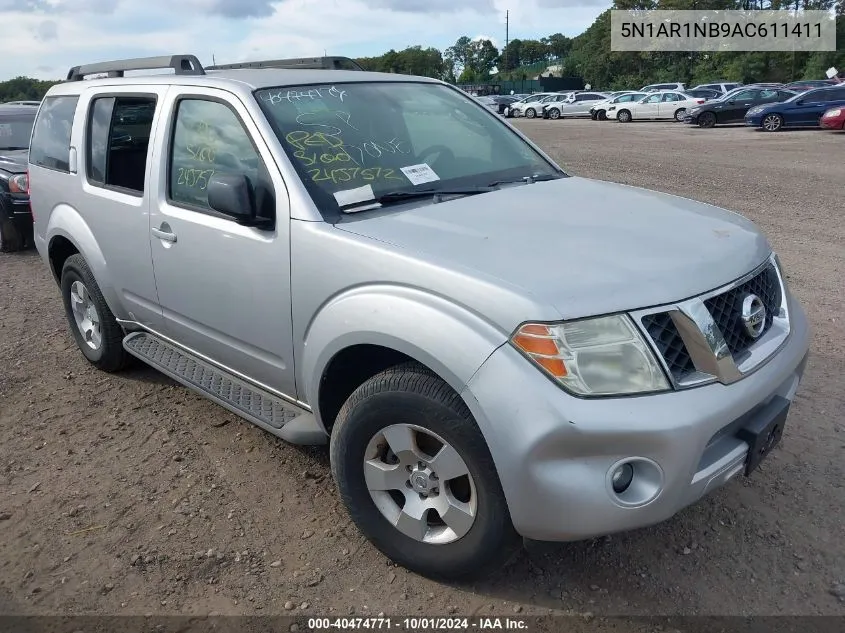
<point>575,105</point>
<point>491,347</point>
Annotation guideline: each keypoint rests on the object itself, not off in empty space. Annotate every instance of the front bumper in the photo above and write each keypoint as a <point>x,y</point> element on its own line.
<point>553,451</point>
<point>754,121</point>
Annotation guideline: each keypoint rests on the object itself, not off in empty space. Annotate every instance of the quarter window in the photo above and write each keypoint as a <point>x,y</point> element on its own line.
<point>51,137</point>
<point>210,139</point>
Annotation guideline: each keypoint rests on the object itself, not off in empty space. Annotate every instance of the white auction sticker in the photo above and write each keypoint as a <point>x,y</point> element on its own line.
<point>420,174</point>
<point>354,196</point>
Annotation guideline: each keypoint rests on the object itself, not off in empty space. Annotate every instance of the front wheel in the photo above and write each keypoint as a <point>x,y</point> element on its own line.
<point>530,113</point>
<point>94,328</point>
<point>772,122</point>
<point>706,119</point>
<point>680,113</point>
<point>602,115</point>
<point>554,113</point>
<point>623,116</point>
<point>417,478</point>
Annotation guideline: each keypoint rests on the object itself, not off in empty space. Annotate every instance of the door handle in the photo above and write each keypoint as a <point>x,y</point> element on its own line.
<point>163,235</point>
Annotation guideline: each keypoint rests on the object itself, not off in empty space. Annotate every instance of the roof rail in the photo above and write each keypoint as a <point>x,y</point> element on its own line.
<point>181,65</point>
<point>326,63</point>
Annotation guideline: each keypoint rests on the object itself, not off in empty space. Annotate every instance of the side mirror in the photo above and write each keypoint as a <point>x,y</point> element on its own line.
<point>731,101</point>
<point>233,195</point>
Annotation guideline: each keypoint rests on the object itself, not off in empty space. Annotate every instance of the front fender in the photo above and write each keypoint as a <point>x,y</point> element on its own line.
<point>449,339</point>
<point>66,222</point>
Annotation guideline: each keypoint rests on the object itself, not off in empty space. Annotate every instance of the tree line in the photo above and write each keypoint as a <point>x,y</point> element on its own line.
<point>587,56</point>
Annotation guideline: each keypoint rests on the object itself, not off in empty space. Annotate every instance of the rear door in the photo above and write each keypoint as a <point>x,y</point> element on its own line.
<point>114,151</point>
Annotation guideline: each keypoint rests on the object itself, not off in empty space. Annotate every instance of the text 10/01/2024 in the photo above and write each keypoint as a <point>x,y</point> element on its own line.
<point>419,623</point>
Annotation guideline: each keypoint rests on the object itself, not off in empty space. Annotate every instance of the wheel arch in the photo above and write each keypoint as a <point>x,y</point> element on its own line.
<point>68,234</point>
<point>367,330</point>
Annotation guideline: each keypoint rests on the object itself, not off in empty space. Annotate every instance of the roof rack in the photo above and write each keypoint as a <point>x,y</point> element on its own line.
<point>326,63</point>
<point>181,65</point>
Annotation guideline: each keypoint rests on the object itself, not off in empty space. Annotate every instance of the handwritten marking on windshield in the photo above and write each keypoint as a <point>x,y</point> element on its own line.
<point>347,174</point>
<point>297,96</point>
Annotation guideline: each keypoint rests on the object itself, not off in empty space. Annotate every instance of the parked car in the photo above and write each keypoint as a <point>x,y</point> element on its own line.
<point>719,86</point>
<point>533,107</point>
<point>574,105</point>
<point>805,109</point>
<point>833,119</point>
<point>810,84</point>
<point>22,103</point>
<point>15,218</point>
<point>732,107</point>
<point>660,87</point>
<point>407,307</point>
<point>599,109</point>
<point>519,108</point>
<point>503,101</point>
<point>668,104</point>
<point>488,102</point>
<point>705,93</point>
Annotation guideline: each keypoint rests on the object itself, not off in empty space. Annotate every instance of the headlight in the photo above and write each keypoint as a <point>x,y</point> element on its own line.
<point>593,357</point>
<point>693,110</point>
<point>834,112</point>
<point>755,110</point>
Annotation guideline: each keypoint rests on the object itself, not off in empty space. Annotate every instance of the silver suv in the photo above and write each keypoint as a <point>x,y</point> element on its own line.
<point>493,348</point>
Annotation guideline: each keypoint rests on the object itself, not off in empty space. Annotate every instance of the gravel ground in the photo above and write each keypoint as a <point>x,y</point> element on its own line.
<point>130,495</point>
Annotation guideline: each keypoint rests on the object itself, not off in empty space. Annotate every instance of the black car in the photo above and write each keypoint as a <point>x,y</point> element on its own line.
<point>15,217</point>
<point>732,107</point>
<point>503,101</point>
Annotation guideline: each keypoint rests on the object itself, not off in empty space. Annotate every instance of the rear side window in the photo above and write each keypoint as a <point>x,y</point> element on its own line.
<point>51,136</point>
<point>118,140</point>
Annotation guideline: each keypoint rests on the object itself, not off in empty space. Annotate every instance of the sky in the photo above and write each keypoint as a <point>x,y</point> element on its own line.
<point>50,36</point>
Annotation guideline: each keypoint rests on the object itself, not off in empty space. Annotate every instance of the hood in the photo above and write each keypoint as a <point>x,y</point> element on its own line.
<point>14,161</point>
<point>584,247</point>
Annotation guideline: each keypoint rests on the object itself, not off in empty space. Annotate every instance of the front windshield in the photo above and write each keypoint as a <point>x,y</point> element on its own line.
<point>15,130</point>
<point>389,137</point>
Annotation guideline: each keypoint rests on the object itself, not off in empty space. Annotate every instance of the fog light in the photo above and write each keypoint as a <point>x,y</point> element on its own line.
<point>622,477</point>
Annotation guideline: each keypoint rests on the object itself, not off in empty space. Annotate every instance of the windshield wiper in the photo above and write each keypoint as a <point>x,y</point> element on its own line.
<point>526,180</point>
<point>403,196</point>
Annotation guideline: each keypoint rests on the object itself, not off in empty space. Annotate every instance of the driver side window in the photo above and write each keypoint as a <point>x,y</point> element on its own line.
<point>653,99</point>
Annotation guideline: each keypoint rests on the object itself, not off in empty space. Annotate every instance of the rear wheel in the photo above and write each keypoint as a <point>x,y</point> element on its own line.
<point>772,122</point>
<point>623,116</point>
<point>11,239</point>
<point>530,113</point>
<point>680,113</point>
<point>706,119</point>
<point>417,478</point>
<point>94,328</point>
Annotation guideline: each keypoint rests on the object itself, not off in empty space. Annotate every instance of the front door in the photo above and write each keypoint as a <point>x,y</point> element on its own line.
<point>224,288</point>
<point>735,108</point>
<point>648,109</point>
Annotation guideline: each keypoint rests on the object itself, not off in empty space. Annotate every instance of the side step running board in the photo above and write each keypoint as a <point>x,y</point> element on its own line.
<point>273,414</point>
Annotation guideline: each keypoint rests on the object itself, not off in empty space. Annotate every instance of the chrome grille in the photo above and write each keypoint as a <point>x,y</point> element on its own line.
<point>703,339</point>
<point>726,309</point>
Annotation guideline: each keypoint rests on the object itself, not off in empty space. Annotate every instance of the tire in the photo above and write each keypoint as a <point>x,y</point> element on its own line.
<point>411,402</point>
<point>706,120</point>
<point>680,113</point>
<point>102,340</point>
<point>602,115</point>
<point>772,123</point>
<point>623,116</point>
<point>530,113</point>
<point>11,239</point>
<point>554,113</point>
<point>594,116</point>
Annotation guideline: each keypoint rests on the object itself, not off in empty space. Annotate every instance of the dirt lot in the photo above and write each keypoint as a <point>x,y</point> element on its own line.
<point>130,495</point>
